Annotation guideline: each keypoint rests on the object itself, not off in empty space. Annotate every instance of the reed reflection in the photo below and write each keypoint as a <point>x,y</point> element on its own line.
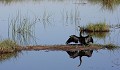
<point>80,54</point>
<point>100,35</point>
<point>71,17</point>
<point>8,56</point>
<point>106,4</point>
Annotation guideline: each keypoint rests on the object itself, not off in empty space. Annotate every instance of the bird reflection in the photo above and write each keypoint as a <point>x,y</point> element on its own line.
<point>80,54</point>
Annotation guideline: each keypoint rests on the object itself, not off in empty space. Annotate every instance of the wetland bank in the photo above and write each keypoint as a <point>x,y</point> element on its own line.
<point>40,29</point>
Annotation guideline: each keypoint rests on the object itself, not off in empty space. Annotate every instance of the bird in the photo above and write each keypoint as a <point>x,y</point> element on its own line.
<point>72,38</point>
<point>81,39</point>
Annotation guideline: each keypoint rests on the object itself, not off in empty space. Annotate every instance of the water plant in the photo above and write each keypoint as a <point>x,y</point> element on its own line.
<point>97,27</point>
<point>111,46</point>
<point>100,35</point>
<point>22,29</point>
<point>8,45</point>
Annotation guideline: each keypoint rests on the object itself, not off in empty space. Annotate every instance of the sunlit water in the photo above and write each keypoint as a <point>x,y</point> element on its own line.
<point>56,21</point>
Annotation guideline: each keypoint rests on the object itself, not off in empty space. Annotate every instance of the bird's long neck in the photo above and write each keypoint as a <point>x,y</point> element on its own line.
<point>81,34</point>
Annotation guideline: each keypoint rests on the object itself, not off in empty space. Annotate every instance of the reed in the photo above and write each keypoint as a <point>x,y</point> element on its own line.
<point>21,29</point>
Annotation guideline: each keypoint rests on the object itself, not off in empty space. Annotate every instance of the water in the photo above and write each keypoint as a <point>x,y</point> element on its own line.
<point>102,59</point>
<point>55,22</point>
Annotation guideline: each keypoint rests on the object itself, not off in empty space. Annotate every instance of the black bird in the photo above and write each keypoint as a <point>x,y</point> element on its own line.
<point>73,38</point>
<point>83,40</point>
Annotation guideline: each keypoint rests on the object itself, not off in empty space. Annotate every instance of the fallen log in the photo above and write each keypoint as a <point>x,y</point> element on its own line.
<point>59,48</point>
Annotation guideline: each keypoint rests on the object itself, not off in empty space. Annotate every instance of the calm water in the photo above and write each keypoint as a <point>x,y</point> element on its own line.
<point>55,21</point>
<point>55,60</point>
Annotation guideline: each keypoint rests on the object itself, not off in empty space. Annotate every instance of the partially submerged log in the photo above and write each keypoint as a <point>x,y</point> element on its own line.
<point>59,48</point>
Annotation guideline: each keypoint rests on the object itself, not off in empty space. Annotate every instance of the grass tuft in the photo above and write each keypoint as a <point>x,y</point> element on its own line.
<point>98,27</point>
<point>8,46</point>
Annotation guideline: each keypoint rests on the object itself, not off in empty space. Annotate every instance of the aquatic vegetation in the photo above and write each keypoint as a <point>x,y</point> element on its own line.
<point>111,46</point>
<point>22,29</point>
<point>98,27</point>
<point>106,4</point>
<point>8,45</point>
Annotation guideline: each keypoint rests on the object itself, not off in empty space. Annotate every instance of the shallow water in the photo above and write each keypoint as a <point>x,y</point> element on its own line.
<point>102,59</point>
<point>56,20</point>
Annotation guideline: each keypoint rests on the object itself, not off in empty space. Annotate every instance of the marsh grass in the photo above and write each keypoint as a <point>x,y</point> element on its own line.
<point>8,45</point>
<point>22,29</point>
<point>108,46</point>
<point>111,46</point>
<point>98,27</point>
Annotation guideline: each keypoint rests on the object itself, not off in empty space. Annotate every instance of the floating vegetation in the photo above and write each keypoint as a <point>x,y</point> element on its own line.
<point>98,27</point>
